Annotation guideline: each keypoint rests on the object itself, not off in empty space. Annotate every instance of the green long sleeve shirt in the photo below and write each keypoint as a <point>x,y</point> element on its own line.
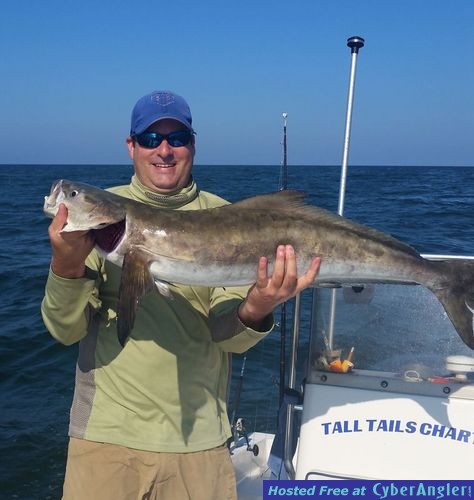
<point>166,390</point>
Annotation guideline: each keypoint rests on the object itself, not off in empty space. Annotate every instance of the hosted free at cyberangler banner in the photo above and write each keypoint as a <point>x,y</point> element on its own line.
<point>380,490</point>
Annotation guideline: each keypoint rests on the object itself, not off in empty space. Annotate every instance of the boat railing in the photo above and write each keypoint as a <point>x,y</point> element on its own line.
<point>433,256</point>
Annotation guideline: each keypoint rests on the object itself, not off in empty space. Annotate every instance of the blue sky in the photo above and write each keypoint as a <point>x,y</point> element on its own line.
<point>71,72</point>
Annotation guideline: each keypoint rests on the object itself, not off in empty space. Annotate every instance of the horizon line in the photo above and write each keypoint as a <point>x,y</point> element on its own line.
<point>235,165</point>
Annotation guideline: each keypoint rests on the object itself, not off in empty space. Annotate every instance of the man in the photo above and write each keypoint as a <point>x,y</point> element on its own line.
<point>149,420</point>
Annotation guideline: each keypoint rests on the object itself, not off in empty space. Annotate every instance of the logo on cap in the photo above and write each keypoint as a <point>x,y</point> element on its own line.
<point>163,98</point>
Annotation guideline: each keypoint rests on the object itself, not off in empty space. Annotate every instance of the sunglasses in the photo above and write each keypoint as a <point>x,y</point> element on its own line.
<point>151,140</point>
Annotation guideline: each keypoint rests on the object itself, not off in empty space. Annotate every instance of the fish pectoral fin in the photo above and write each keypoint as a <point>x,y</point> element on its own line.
<point>136,281</point>
<point>163,288</point>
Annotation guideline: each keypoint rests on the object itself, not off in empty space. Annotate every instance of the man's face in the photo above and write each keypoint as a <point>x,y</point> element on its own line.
<point>164,168</point>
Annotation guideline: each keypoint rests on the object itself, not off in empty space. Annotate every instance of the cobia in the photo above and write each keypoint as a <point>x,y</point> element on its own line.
<point>221,247</point>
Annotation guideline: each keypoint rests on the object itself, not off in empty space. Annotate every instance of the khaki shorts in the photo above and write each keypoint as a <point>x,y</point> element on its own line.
<point>101,471</point>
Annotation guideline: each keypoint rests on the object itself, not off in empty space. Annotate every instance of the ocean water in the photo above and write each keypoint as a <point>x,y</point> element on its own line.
<point>428,207</point>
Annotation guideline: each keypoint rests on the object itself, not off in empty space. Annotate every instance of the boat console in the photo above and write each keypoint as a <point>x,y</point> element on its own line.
<point>389,389</point>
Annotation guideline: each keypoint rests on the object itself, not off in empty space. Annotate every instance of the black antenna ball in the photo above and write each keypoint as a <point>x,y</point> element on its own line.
<point>355,43</point>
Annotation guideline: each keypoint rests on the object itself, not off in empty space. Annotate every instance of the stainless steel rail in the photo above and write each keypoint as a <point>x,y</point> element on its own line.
<point>288,453</point>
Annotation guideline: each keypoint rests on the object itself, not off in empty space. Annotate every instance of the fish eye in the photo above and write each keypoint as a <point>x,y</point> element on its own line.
<point>74,193</point>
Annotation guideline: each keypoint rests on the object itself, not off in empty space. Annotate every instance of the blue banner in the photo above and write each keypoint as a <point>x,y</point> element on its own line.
<point>380,490</point>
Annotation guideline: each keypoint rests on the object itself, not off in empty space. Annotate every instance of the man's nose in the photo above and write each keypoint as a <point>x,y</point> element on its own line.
<point>164,149</point>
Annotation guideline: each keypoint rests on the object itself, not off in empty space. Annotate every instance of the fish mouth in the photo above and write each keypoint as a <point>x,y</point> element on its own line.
<point>56,196</point>
<point>108,238</point>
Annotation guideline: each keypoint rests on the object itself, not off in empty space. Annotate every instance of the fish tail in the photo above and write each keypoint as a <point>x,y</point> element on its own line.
<point>456,293</point>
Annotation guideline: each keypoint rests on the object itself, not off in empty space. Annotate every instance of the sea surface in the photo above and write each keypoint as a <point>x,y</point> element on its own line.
<point>430,208</point>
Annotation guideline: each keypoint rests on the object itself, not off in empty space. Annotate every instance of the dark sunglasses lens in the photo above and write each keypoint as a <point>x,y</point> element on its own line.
<point>178,139</point>
<point>152,140</point>
<point>148,140</point>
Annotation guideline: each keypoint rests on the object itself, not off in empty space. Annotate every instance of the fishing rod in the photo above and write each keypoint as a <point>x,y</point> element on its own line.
<point>354,43</point>
<point>283,185</point>
<point>238,390</point>
<point>284,164</point>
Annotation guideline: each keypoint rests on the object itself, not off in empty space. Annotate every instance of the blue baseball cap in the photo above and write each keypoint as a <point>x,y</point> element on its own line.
<point>156,106</point>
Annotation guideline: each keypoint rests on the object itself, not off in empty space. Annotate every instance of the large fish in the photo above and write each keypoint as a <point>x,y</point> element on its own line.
<point>221,247</point>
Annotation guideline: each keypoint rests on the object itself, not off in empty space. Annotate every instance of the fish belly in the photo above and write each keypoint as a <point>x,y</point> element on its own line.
<point>211,274</point>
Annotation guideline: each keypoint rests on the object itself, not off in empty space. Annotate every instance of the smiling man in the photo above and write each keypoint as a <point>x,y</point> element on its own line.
<point>163,165</point>
<point>149,420</point>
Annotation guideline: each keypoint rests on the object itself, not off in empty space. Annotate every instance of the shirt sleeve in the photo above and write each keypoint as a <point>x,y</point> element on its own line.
<point>68,304</point>
<point>226,327</point>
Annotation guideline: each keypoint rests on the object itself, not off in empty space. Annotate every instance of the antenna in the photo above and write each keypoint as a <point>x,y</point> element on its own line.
<point>354,43</point>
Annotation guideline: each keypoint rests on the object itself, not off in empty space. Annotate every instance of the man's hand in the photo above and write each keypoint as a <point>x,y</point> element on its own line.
<point>269,291</point>
<point>69,250</point>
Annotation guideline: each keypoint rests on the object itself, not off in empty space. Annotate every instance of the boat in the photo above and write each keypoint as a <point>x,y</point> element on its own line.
<point>391,398</point>
<point>387,392</point>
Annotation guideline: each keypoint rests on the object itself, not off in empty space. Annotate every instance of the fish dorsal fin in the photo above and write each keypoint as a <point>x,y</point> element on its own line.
<point>288,199</point>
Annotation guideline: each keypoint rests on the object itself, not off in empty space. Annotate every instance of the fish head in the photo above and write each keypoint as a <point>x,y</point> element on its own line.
<point>88,207</point>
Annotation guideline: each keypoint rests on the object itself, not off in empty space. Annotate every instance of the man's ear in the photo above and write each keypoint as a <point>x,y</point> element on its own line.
<point>130,146</point>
